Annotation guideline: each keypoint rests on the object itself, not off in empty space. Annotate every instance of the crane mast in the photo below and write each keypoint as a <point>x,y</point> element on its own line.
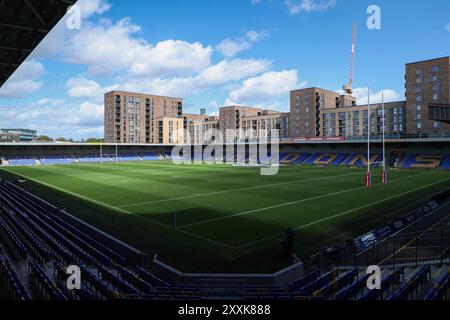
<point>348,88</point>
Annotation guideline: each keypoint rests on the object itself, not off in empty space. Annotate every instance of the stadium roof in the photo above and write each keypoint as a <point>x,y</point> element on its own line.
<point>23,25</point>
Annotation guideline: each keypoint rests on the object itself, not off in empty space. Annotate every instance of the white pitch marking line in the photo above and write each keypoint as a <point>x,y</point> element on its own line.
<point>284,204</point>
<point>234,190</point>
<point>344,213</point>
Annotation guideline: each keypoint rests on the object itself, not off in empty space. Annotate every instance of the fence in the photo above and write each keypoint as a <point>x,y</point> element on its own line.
<point>427,240</point>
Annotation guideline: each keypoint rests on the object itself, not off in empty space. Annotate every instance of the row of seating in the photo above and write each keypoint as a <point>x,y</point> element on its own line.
<point>21,160</point>
<point>35,229</point>
<point>43,284</point>
<point>61,159</point>
<point>49,238</point>
<point>330,159</point>
<point>405,289</point>
<point>427,161</point>
<point>10,285</point>
<point>440,289</point>
<point>388,282</point>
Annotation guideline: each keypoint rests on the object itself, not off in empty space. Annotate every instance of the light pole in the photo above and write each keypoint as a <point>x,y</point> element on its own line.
<point>368,174</point>
<point>384,173</point>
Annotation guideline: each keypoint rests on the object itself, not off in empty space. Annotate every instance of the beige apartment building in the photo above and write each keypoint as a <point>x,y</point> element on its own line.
<point>306,108</point>
<point>260,126</point>
<point>427,88</point>
<point>353,121</point>
<point>230,117</point>
<point>202,131</point>
<point>170,130</point>
<point>132,117</point>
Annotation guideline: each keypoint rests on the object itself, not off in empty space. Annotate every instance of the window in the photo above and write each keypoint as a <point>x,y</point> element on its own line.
<point>435,78</point>
<point>436,86</point>
<point>419,72</point>
<point>436,69</point>
<point>419,98</point>
<point>418,88</point>
<point>437,125</point>
<point>436,97</point>
<point>419,124</point>
<point>419,107</point>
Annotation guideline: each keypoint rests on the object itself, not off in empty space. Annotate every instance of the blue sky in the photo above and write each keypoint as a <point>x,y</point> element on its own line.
<point>214,53</point>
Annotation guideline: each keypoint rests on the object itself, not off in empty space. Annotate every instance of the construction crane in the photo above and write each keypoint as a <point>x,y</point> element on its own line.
<point>348,87</point>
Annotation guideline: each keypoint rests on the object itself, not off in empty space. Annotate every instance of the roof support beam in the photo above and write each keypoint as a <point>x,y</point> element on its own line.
<point>21,25</point>
<point>36,13</point>
<point>14,46</point>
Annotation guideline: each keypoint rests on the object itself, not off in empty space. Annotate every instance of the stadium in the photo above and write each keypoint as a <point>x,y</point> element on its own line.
<point>140,222</point>
<point>232,229</point>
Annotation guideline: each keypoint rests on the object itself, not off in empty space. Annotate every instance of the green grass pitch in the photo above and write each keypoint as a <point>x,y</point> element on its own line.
<point>229,219</point>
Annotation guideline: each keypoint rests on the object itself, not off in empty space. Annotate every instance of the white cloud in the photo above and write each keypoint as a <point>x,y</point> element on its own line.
<point>298,6</point>
<point>56,118</point>
<point>91,7</point>
<point>24,81</point>
<point>171,57</point>
<point>375,97</point>
<point>255,2</point>
<point>216,75</point>
<point>80,87</point>
<point>448,27</point>
<point>111,48</point>
<point>56,39</point>
<point>265,89</point>
<point>231,47</point>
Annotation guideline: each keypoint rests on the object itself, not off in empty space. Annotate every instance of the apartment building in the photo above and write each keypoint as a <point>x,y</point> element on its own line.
<point>230,117</point>
<point>132,117</point>
<point>307,106</point>
<point>169,130</point>
<point>201,131</point>
<point>260,126</point>
<point>354,120</point>
<point>24,135</point>
<point>427,90</point>
<point>189,118</point>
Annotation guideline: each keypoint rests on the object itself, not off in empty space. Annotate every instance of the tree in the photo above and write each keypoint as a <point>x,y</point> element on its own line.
<point>44,139</point>
<point>95,140</point>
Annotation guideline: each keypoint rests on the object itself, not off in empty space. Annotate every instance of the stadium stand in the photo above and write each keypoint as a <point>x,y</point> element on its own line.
<point>440,289</point>
<point>407,288</point>
<point>360,160</point>
<point>150,156</point>
<point>42,283</point>
<point>423,161</point>
<point>388,284</point>
<point>446,162</point>
<point>21,160</point>
<point>10,285</point>
<point>56,159</point>
<point>124,157</point>
<point>405,160</point>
